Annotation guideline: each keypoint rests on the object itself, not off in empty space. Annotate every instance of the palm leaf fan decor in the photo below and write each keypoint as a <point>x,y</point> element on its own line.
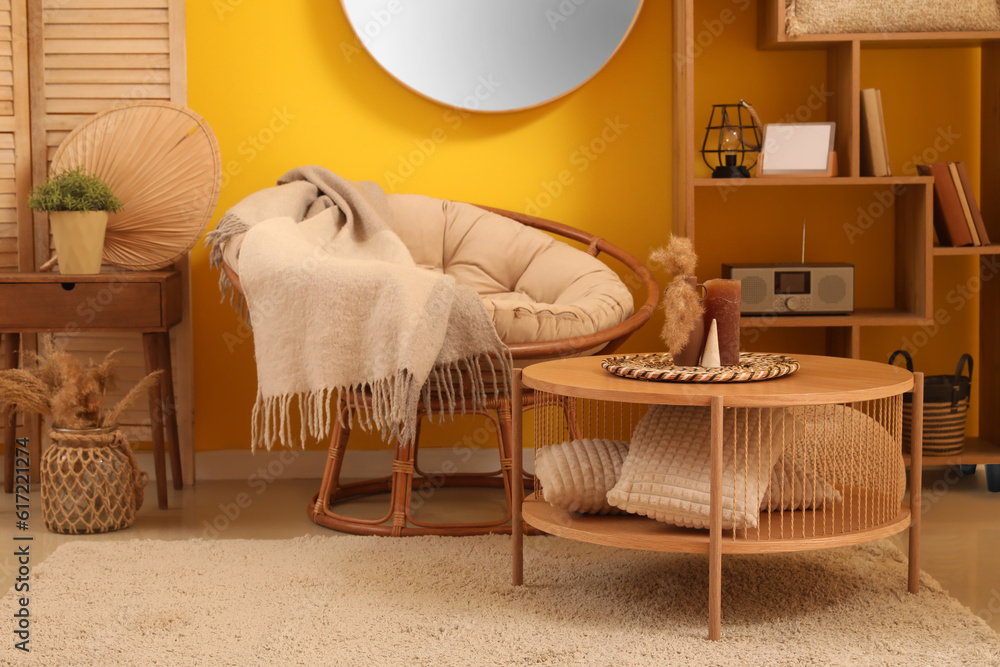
<point>162,161</point>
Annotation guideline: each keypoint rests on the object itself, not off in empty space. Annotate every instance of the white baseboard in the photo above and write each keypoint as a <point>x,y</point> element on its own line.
<point>297,464</point>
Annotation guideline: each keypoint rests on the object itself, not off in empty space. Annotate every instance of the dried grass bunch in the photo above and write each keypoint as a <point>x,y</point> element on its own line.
<point>681,306</point>
<point>58,386</point>
<point>682,310</point>
<point>677,256</point>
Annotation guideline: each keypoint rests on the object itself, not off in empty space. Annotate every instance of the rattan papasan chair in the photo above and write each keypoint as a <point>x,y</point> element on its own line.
<point>547,299</point>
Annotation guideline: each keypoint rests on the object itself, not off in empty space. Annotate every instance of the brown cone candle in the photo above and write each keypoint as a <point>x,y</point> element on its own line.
<point>722,304</point>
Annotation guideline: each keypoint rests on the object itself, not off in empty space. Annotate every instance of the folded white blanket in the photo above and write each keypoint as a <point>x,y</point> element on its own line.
<point>338,306</point>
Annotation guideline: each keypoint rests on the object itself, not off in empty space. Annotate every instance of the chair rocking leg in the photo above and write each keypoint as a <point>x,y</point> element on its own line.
<point>402,486</point>
<point>406,479</point>
<point>334,463</point>
<point>569,409</point>
<point>506,444</point>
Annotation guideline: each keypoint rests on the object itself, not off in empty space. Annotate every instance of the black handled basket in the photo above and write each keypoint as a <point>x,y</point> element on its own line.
<point>946,406</point>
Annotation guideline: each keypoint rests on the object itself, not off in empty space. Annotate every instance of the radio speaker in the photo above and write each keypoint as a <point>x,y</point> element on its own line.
<point>832,289</point>
<point>754,291</point>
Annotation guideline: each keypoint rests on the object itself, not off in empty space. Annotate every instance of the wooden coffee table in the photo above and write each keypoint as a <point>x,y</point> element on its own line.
<point>820,381</point>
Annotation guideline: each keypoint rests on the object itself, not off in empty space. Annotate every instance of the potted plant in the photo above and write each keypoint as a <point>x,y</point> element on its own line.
<point>78,204</point>
<point>91,482</point>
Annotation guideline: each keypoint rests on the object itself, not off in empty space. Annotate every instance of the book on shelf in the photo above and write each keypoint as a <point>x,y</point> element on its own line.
<point>977,215</point>
<point>875,150</point>
<point>949,216</point>
<point>966,211</point>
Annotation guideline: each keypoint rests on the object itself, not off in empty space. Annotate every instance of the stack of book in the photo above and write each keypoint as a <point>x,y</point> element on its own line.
<point>957,219</point>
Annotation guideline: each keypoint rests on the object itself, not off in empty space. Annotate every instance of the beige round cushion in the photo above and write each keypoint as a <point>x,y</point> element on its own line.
<point>535,288</point>
<point>577,475</point>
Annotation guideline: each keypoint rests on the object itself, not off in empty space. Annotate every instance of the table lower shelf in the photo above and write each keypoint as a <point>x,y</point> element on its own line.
<point>788,531</point>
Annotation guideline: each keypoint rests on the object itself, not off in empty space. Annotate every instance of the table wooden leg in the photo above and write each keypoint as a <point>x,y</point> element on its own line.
<point>715,526</point>
<point>170,410</point>
<point>916,480</point>
<point>11,351</point>
<point>150,345</point>
<point>517,487</point>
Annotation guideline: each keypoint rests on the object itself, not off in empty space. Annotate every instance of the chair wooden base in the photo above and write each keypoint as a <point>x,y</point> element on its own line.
<point>406,478</point>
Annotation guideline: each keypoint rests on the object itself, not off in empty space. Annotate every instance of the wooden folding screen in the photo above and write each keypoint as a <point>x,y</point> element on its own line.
<point>16,242</point>
<point>72,59</point>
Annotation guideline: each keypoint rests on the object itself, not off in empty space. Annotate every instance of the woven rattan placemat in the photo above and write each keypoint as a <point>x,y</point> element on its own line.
<point>659,367</point>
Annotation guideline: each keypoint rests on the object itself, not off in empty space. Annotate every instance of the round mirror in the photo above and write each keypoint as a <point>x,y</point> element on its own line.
<point>492,55</point>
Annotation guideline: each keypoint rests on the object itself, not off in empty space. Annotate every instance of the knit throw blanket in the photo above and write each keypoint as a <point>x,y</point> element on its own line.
<point>338,308</point>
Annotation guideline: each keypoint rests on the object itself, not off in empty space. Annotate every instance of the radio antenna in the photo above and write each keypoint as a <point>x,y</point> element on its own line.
<point>803,240</point>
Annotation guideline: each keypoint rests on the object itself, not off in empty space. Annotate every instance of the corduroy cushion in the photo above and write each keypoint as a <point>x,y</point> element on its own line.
<point>534,287</point>
<point>577,475</point>
<point>792,487</point>
<point>667,473</point>
<point>865,16</point>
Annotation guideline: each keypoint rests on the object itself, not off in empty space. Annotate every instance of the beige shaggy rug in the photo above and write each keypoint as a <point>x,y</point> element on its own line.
<point>344,600</point>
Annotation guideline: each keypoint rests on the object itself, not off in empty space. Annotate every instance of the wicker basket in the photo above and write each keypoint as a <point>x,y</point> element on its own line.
<point>91,482</point>
<point>946,406</point>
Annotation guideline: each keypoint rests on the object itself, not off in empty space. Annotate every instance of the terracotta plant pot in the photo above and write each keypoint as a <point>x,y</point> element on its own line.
<point>79,240</point>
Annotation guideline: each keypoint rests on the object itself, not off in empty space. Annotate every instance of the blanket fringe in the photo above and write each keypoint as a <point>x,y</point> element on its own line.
<point>385,405</point>
<point>229,227</point>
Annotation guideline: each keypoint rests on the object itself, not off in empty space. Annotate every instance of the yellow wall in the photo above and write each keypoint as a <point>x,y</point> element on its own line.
<point>283,85</point>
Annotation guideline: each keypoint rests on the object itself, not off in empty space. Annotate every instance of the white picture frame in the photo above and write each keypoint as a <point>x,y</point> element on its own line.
<point>797,148</point>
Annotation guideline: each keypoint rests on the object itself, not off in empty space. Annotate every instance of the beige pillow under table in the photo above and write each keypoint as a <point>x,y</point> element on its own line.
<point>667,474</point>
<point>577,475</point>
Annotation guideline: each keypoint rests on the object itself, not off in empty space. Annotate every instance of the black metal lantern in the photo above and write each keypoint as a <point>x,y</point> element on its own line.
<point>732,133</point>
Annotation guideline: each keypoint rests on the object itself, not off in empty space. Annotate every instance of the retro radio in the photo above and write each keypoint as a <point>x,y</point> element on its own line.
<point>794,289</point>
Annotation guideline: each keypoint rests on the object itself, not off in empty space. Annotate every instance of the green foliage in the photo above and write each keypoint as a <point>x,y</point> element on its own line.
<point>74,190</point>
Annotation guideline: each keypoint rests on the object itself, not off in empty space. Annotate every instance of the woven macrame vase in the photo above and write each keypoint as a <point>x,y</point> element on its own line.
<point>91,482</point>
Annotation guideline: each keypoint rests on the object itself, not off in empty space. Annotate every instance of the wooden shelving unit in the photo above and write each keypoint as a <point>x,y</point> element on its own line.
<point>977,250</point>
<point>863,317</point>
<point>812,181</point>
<point>976,450</point>
<point>914,252</point>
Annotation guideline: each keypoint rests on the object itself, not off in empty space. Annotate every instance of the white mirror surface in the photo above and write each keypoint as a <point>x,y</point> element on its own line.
<point>492,55</point>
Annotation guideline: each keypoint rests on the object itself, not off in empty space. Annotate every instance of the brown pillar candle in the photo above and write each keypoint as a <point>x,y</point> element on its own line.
<point>722,304</point>
<point>690,354</point>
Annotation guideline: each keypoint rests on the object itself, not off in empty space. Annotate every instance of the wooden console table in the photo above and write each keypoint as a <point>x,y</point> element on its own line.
<point>122,301</point>
<point>867,508</point>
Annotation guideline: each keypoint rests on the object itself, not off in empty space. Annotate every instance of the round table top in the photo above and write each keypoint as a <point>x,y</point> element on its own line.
<point>819,380</point>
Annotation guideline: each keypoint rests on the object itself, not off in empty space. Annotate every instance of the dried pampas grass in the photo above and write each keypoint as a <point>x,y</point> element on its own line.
<point>24,391</point>
<point>682,310</point>
<point>58,386</point>
<point>677,256</point>
<point>681,306</point>
<point>140,388</point>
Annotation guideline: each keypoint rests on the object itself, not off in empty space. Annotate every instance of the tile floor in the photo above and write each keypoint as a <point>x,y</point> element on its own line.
<point>960,545</point>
